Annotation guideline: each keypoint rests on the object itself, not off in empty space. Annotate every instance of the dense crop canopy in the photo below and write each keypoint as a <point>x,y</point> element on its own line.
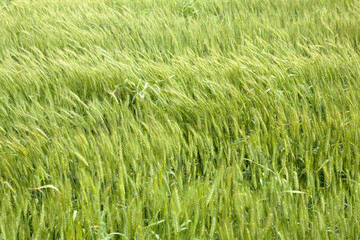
<point>124,119</point>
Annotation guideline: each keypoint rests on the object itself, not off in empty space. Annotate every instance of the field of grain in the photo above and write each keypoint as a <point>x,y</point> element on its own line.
<point>158,119</point>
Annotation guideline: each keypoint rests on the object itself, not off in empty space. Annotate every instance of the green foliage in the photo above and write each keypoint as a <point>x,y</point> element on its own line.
<point>4,3</point>
<point>188,9</point>
<point>234,119</point>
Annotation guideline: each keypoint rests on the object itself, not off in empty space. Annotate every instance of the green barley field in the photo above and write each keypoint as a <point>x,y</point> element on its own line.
<point>159,119</point>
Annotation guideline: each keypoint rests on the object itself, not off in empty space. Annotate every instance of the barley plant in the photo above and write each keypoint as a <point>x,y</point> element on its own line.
<point>158,119</point>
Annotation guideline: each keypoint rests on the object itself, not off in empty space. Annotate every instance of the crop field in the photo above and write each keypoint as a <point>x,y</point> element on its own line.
<point>159,119</point>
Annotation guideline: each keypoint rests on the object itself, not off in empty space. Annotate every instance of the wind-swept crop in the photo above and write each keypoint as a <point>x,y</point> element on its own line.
<point>165,119</point>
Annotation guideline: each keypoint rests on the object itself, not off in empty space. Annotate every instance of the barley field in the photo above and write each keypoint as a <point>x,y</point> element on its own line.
<point>158,119</point>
